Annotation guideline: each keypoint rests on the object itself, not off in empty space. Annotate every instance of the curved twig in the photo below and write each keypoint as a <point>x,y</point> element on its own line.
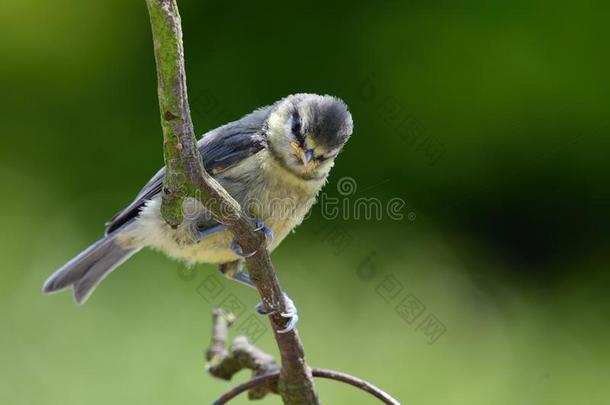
<point>254,382</point>
<point>356,382</point>
<point>316,372</point>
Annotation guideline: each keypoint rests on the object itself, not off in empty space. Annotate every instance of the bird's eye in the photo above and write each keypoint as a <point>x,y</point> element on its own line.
<point>296,123</point>
<point>296,127</point>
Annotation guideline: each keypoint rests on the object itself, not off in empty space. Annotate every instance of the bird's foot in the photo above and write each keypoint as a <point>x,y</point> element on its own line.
<point>259,226</point>
<point>238,250</point>
<point>290,313</point>
<point>233,270</point>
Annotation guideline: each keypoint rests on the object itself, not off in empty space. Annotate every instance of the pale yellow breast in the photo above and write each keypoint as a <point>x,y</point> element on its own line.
<point>264,189</point>
<point>276,196</point>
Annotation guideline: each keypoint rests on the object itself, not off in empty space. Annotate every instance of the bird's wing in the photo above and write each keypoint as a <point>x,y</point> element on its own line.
<point>220,148</point>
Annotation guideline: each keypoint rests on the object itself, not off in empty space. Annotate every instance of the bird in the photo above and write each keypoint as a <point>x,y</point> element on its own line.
<point>274,162</point>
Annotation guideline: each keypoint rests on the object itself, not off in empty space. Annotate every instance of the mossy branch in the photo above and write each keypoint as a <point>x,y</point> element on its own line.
<point>186,177</point>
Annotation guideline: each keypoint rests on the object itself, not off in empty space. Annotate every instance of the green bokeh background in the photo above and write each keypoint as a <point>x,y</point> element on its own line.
<point>490,119</point>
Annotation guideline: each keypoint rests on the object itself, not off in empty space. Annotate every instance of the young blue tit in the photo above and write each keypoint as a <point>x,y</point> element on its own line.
<point>274,161</point>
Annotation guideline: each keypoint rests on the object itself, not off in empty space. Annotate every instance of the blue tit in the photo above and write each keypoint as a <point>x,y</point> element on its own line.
<point>273,161</point>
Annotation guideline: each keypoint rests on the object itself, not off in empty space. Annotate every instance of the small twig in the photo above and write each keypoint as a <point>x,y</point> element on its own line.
<point>356,382</point>
<point>224,364</point>
<point>317,372</point>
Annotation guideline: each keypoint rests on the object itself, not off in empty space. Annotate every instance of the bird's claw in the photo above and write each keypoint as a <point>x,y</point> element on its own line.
<point>291,313</point>
<point>291,309</point>
<point>260,226</point>
<point>238,251</point>
<point>294,318</point>
<point>260,309</point>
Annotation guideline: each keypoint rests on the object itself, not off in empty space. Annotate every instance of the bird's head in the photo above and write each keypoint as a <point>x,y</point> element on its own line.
<point>306,132</point>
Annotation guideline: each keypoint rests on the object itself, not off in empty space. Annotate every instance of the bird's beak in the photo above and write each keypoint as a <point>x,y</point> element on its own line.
<point>308,156</point>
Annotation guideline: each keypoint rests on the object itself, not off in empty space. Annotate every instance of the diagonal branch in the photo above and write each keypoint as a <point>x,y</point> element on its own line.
<point>186,177</point>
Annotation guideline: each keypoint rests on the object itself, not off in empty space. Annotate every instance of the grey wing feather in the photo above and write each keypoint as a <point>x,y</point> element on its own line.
<point>220,148</point>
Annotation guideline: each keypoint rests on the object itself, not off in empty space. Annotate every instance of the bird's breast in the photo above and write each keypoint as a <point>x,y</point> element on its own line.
<point>265,190</point>
<point>274,195</point>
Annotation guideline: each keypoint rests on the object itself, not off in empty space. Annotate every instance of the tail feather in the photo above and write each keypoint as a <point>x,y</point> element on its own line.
<point>89,268</point>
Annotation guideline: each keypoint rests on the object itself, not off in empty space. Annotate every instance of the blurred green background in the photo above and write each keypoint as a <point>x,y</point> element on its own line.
<point>490,119</point>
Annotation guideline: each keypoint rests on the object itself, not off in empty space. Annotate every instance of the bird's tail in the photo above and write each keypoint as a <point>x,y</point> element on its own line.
<point>89,268</point>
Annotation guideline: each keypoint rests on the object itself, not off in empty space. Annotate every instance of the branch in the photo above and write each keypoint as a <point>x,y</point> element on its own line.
<point>244,355</point>
<point>186,177</point>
